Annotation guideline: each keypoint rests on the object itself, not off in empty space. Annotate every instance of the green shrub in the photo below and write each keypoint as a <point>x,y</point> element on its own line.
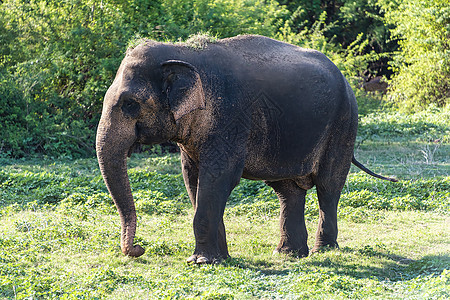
<point>169,185</point>
<point>223,18</point>
<point>422,66</point>
<point>420,194</point>
<point>153,202</point>
<point>13,124</point>
<point>428,125</point>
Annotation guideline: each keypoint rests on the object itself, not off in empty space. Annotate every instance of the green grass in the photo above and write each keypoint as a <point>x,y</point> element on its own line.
<point>59,230</point>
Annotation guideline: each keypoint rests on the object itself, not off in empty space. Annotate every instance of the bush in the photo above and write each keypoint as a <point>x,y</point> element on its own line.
<point>13,123</point>
<point>222,18</point>
<point>422,66</point>
<point>62,62</point>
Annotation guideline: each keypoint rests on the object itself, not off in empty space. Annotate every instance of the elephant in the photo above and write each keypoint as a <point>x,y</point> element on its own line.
<point>243,107</point>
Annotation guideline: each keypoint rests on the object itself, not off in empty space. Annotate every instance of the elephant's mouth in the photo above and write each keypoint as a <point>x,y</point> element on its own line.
<point>135,148</point>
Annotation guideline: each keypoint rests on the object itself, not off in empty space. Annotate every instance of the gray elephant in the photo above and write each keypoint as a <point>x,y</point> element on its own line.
<point>244,107</point>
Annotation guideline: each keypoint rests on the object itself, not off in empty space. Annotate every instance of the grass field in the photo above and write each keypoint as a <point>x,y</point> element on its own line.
<point>59,231</point>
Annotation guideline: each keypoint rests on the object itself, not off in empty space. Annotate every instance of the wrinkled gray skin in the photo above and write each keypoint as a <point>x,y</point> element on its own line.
<point>248,107</point>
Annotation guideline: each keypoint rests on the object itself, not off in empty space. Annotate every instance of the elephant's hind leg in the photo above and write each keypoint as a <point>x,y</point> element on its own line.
<point>329,184</point>
<point>292,219</point>
<point>326,236</point>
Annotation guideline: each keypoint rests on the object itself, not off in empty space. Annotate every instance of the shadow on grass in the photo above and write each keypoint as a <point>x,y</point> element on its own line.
<point>360,263</point>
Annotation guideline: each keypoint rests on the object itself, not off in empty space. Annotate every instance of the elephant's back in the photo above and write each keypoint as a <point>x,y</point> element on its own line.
<point>299,99</point>
<point>301,85</point>
<point>277,66</point>
<point>260,50</point>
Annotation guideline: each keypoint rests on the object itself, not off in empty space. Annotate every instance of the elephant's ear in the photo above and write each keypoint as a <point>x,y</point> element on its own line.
<point>183,86</point>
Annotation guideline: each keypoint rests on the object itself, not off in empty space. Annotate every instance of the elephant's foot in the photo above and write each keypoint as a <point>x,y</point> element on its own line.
<point>202,259</point>
<point>295,252</point>
<point>321,247</point>
<point>295,247</point>
<point>127,239</point>
<point>134,251</point>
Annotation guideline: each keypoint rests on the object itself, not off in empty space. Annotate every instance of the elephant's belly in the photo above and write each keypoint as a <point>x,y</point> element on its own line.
<point>305,182</point>
<point>281,157</point>
<point>270,169</point>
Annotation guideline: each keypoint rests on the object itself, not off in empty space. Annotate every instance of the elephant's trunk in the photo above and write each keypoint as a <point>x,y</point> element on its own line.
<point>113,144</point>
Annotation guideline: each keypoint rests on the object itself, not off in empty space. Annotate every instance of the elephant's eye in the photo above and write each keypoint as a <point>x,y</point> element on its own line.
<point>131,107</point>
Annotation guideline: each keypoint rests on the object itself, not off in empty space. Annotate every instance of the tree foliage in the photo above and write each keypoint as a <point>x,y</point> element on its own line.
<point>422,65</point>
<point>346,20</point>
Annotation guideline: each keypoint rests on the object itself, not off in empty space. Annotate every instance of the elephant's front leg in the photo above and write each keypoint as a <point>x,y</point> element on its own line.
<point>209,230</point>
<point>190,176</point>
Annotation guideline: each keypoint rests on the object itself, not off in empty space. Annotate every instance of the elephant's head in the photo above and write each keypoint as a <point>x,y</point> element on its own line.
<point>146,104</point>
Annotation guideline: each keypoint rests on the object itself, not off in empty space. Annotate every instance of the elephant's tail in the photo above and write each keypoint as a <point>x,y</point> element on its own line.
<point>362,167</point>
